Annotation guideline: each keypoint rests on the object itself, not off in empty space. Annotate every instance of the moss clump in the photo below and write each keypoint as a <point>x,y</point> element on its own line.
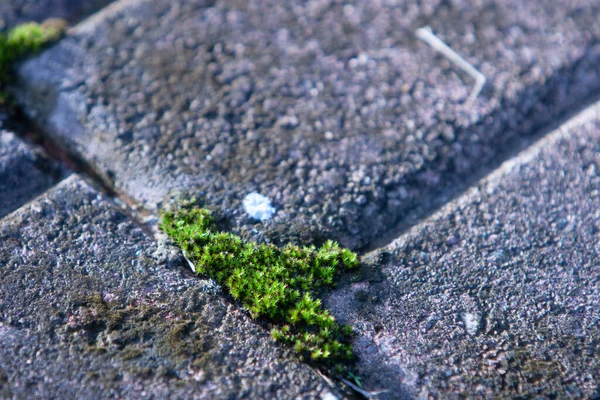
<point>23,40</point>
<point>276,283</point>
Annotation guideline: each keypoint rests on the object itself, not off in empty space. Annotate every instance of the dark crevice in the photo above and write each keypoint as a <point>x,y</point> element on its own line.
<point>448,193</point>
<point>16,121</point>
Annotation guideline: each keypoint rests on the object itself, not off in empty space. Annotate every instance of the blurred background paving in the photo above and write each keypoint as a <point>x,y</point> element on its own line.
<point>358,132</point>
<point>334,111</point>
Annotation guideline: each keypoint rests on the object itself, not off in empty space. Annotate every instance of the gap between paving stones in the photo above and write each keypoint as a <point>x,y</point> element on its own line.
<point>31,133</point>
<point>25,172</point>
<point>516,147</point>
<point>35,163</point>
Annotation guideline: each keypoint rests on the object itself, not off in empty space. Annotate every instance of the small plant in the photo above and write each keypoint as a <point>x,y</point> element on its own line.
<point>271,282</point>
<point>23,40</point>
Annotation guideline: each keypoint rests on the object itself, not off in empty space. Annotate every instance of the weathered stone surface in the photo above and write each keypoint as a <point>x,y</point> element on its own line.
<point>498,294</point>
<point>88,309</point>
<point>25,172</point>
<point>333,110</point>
<point>13,12</point>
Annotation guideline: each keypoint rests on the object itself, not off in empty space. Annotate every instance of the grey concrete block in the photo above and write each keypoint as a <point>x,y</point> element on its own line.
<point>25,172</point>
<point>13,12</point>
<point>335,111</point>
<point>498,294</point>
<point>89,309</point>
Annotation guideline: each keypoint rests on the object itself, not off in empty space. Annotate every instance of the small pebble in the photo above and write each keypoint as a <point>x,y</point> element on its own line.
<point>258,206</point>
<point>288,122</point>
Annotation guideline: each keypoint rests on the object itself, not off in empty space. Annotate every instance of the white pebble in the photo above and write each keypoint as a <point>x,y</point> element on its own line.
<point>471,323</point>
<point>258,206</point>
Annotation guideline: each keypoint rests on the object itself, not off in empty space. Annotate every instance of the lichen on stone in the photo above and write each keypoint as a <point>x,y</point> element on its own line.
<point>275,284</point>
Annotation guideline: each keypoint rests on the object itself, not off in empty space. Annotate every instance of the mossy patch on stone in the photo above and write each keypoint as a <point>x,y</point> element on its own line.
<point>274,283</point>
<point>133,330</point>
<point>24,40</point>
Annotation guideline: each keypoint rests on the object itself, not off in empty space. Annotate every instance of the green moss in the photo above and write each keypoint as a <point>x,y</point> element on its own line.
<point>23,40</point>
<point>271,282</point>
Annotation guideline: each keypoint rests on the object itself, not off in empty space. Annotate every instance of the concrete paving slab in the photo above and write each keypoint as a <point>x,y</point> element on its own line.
<point>498,294</point>
<point>25,172</point>
<point>335,111</point>
<point>13,12</point>
<point>89,309</point>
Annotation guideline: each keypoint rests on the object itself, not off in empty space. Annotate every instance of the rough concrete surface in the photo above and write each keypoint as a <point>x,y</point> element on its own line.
<point>334,110</point>
<point>89,309</point>
<point>498,294</point>
<point>25,172</point>
<point>13,12</point>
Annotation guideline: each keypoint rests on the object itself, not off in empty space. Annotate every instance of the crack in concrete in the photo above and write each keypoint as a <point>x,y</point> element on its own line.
<point>22,126</point>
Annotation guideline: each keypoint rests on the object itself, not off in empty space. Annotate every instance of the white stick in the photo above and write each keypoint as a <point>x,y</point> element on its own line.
<point>191,264</point>
<point>425,34</point>
<point>368,395</point>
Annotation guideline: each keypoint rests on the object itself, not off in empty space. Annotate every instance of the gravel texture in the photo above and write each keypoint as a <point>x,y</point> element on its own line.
<point>25,172</point>
<point>334,110</point>
<point>89,308</point>
<point>13,12</point>
<point>498,294</point>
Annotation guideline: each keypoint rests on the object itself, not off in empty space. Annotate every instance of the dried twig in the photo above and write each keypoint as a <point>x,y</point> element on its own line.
<point>191,264</point>
<point>325,378</point>
<point>366,394</point>
<point>427,35</point>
